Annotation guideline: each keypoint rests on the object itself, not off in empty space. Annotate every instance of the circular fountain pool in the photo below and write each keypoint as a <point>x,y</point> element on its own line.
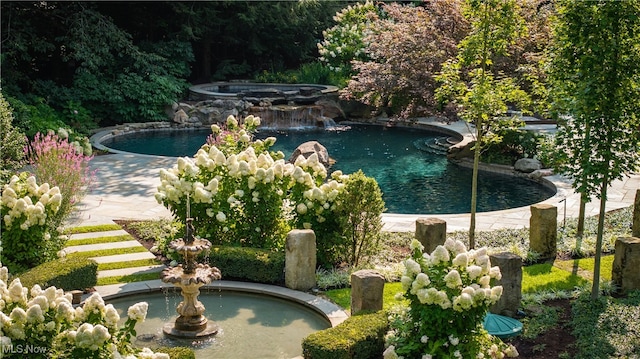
<point>250,325</point>
<point>412,181</point>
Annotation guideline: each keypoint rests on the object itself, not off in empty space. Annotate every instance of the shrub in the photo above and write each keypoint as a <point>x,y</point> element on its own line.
<point>12,142</point>
<point>241,194</point>
<point>35,116</point>
<point>67,274</point>
<point>27,210</point>
<point>359,210</point>
<point>177,352</point>
<point>449,293</point>
<point>359,337</point>
<point>61,164</point>
<point>248,264</point>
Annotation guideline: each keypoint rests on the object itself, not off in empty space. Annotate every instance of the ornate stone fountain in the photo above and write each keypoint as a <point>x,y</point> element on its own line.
<point>190,276</point>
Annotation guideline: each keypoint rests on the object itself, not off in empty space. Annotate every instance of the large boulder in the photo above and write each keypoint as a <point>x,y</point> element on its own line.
<point>527,165</point>
<point>308,148</point>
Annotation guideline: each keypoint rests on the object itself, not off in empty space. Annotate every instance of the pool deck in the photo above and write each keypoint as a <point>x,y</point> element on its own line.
<point>125,185</point>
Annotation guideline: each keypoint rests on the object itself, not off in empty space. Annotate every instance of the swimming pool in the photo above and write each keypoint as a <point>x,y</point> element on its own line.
<point>412,181</point>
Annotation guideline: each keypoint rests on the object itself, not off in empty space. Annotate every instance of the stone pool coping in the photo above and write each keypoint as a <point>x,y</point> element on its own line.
<point>332,312</point>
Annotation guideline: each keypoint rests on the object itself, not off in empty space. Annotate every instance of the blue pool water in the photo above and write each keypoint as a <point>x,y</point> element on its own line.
<point>412,181</point>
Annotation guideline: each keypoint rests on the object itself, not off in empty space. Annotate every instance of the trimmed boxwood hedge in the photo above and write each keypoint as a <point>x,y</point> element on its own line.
<point>177,352</point>
<point>64,273</point>
<point>359,337</point>
<point>248,264</point>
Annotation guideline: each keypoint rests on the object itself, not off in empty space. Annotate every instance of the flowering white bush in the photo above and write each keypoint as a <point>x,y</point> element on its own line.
<point>344,42</point>
<point>46,319</point>
<point>241,193</point>
<point>25,207</point>
<point>449,292</point>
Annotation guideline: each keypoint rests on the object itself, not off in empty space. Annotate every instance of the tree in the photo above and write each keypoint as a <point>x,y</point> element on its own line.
<point>406,46</point>
<point>596,86</point>
<point>12,143</point>
<point>471,81</point>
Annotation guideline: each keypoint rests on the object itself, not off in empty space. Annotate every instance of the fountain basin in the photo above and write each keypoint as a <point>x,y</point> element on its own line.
<point>265,321</point>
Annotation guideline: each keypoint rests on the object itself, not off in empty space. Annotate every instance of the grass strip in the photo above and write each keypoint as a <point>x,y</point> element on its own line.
<point>584,266</point>
<point>128,264</point>
<point>96,240</point>
<point>129,278</point>
<point>546,277</point>
<point>107,252</point>
<point>95,228</point>
<point>342,297</point>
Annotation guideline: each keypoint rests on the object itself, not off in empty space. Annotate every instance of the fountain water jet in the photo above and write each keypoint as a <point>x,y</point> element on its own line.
<point>190,276</point>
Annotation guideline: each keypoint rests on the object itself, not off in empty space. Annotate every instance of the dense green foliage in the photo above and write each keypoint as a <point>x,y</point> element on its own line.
<point>126,61</point>
<point>596,86</point>
<point>359,337</point>
<point>64,273</point>
<point>607,327</point>
<point>248,264</point>
<point>12,143</point>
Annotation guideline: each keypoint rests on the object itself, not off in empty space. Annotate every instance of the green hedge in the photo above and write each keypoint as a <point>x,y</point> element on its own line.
<point>177,352</point>
<point>248,264</point>
<point>64,273</point>
<point>359,337</point>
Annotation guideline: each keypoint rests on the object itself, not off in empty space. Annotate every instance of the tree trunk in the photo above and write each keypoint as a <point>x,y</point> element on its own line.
<point>595,290</point>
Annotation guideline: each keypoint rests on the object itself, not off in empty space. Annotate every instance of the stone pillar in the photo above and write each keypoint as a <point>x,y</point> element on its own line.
<point>366,290</point>
<point>300,260</point>
<point>543,230</point>
<point>431,232</point>
<point>626,264</point>
<point>635,230</point>
<point>510,265</point>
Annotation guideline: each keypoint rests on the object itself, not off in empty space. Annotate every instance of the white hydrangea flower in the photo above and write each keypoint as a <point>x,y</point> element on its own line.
<point>138,311</point>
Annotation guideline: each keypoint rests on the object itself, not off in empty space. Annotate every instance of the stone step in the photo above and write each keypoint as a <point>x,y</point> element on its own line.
<point>131,270</point>
<point>124,257</point>
<point>101,246</point>
<point>118,232</point>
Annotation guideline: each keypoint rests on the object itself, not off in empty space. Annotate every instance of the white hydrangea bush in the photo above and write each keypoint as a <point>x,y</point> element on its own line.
<point>239,192</point>
<point>450,292</point>
<point>25,208</point>
<point>46,321</point>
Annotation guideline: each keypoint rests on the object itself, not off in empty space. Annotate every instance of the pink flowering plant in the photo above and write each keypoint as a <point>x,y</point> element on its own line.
<point>61,163</point>
<point>449,292</point>
<point>241,193</point>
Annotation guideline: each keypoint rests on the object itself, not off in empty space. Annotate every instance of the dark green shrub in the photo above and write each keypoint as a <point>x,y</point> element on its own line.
<point>64,273</point>
<point>248,264</point>
<point>177,352</point>
<point>359,337</point>
<point>12,142</point>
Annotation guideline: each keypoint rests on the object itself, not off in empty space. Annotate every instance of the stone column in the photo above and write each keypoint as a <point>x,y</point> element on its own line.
<point>366,290</point>
<point>626,264</point>
<point>635,231</point>
<point>300,260</point>
<point>431,232</point>
<point>543,230</point>
<point>510,265</point>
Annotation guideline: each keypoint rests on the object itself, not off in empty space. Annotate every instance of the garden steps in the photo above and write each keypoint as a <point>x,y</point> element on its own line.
<point>102,246</point>
<point>124,257</point>
<point>76,236</point>
<point>132,270</point>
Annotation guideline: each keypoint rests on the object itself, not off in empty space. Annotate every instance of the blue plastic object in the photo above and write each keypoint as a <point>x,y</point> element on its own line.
<point>501,326</point>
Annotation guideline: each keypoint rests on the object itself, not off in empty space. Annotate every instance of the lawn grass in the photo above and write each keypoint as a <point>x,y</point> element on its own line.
<point>584,266</point>
<point>91,229</point>
<point>546,277</point>
<point>107,252</point>
<point>96,240</point>
<point>342,297</point>
<point>129,278</point>
<point>128,264</point>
